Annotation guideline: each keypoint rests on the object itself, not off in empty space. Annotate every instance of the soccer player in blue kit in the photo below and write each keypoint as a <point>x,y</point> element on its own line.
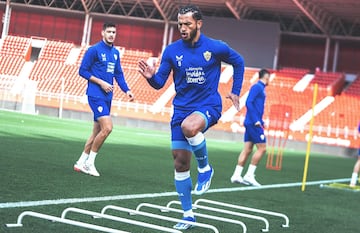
<point>196,64</point>
<point>254,131</point>
<point>100,65</point>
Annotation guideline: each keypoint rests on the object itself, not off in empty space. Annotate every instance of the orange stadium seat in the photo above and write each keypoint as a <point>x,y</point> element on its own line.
<point>15,46</point>
<point>11,65</point>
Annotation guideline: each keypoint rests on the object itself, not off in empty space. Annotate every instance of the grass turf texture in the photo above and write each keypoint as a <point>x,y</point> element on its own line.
<point>37,154</point>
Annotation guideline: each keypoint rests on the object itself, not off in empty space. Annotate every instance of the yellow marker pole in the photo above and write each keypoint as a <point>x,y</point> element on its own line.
<point>309,139</point>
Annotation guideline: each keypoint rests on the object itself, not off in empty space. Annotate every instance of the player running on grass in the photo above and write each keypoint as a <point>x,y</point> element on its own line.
<point>254,131</point>
<point>196,64</point>
<point>100,65</point>
<point>354,176</point>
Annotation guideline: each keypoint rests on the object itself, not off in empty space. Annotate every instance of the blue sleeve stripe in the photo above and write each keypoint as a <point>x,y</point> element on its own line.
<point>180,145</point>
<point>205,118</point>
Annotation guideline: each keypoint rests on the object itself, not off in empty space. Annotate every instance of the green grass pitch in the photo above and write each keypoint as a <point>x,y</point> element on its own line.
<point>37,154</point>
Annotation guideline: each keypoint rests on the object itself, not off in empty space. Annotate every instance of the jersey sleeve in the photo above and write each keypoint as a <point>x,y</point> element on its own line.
<point>119,76</point>
<point>232,57</point>
<point>250,103</point>
<point>158,80</point>
<point>87,62</point>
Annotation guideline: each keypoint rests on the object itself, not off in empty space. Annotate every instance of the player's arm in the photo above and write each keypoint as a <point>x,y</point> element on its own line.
<point>156,79</point>
<point>250,104</point>
<point>233,58</point>
<point>85,70</point>
<point>120,79</point>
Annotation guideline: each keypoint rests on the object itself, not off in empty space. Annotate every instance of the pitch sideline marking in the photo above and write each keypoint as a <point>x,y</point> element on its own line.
<point>153,195</point>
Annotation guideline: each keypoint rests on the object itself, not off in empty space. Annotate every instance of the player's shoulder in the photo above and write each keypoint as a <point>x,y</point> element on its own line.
<point>215,44</point>
<point>213,41</point>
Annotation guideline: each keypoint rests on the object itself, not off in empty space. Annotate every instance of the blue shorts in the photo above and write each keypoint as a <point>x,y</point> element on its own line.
<point>178,140</point>
<point>254,134</point>
<point>100,107</point>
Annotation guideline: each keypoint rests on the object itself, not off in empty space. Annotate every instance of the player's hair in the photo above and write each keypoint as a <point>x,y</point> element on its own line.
<point>197,15</point>
<point>263,72</point>
<point>108,25</point>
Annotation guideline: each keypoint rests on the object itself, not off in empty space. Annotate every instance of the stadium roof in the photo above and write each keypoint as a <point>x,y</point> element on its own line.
<point>334,18</point>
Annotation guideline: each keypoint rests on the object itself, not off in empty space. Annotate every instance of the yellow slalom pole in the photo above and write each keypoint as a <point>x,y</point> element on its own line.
<point>309,139</point>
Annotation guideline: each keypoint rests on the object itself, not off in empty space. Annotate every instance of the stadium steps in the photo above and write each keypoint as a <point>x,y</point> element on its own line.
<point>300,123</point>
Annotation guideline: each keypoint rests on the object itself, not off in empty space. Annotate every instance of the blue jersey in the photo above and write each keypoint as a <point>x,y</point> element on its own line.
<point>102,61</point>
<point>255,104</point>
<point>196,72</point>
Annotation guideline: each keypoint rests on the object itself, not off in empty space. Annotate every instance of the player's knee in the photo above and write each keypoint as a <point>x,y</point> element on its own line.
<point>262,150</point>
<point>189,129</point>
<point>107,130</point>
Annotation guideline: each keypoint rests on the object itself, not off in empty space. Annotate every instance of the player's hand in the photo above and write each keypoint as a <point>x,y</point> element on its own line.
<point>106,87</point>
<point>130,95</point>
<point>235,99</point>
<point>258,124</point>
<point>147,70</point>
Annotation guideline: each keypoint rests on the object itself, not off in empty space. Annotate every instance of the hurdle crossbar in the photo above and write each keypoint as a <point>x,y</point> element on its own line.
<point>118,219</point>
<point>266,212</point>
<point>62,220</point>
<point>266,222</point>
<point>212,217</point>
<point>151,215</point>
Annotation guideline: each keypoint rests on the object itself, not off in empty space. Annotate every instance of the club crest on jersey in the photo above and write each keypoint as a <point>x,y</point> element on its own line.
<point>207,55</point>
<point>179,59</point>
<point>115,57</point>
<point>103,57</point>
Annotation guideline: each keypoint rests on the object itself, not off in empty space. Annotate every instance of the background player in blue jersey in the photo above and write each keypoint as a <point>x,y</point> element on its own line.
<point>254,131</point>
<point>100,65</point>
<point>355,174</point>
<point>196,64</point>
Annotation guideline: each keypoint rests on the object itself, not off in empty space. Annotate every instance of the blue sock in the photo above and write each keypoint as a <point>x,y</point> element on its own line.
<point>198,146</point>
<point>183,188</point>
<point>201,155</point>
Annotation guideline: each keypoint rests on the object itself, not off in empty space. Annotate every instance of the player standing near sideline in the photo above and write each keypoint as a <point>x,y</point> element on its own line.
<point>100,65</point>
<point>196,64</point>
<point>354,176</point>
<point>254,131</point>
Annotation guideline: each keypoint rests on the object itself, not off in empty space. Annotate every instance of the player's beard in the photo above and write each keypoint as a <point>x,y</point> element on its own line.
<point>193,35</point>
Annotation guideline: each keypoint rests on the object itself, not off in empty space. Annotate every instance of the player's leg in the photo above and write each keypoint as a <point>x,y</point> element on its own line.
<point>183,183</point>
<point>193,127</point>
<point>106,127</point>
<point>243,157</point>
<point>85,154</point>
<point>356,170</point>
<point>101,109</point>
<point>258,138</point>
<point>182,153</point>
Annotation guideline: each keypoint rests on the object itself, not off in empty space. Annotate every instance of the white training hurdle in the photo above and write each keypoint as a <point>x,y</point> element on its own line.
<point>266,222</point>
<point>168,209</point>
<point>62,220</point>
<point>243,228</point>
<point>119,219</point>
<point>161,217</point>
<point>266,212</point>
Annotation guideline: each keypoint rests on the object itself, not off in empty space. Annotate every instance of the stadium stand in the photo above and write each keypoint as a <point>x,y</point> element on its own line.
<point>55,50</point>
<point>15,46</point>
<point>331,83</point>
<point>354,88</point>
<point>11,64</point>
